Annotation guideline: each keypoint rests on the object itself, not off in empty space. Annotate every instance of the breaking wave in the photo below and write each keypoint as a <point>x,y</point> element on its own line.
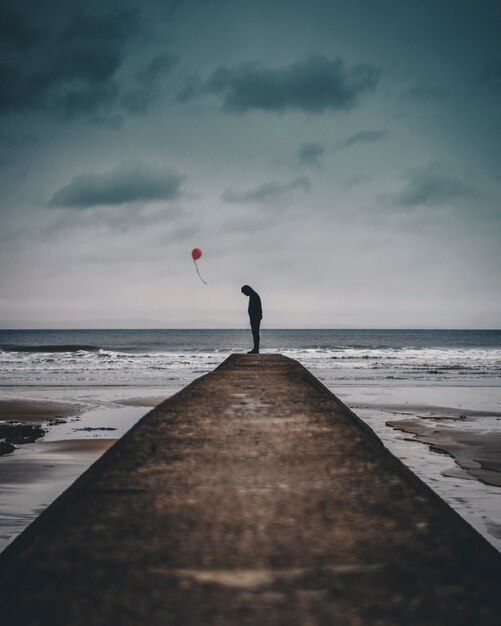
<point>82,364</point>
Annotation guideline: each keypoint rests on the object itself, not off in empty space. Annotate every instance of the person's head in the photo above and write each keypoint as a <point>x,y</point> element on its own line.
<point>246,290</point>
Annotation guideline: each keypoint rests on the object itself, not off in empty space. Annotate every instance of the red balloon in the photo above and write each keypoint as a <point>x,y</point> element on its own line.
<point>196,253</point>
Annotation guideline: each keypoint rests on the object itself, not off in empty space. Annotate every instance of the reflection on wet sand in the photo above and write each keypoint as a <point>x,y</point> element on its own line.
<point>476,452</point>
<point>36,474</point>
<point>36,410</point>
<point>70,437</point>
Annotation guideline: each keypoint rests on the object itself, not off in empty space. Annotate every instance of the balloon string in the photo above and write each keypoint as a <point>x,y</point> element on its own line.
<point>199,275</point>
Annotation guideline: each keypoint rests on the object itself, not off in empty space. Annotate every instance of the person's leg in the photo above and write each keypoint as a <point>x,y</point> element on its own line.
<point>255,324</point>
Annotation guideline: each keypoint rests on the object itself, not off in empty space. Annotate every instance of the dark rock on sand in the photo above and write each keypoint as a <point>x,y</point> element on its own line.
<point>56,421</point>
<point>20,433</point>
<point>6,448</point>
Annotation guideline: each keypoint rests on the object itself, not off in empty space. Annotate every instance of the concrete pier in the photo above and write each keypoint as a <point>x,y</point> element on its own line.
<point>252,497</point>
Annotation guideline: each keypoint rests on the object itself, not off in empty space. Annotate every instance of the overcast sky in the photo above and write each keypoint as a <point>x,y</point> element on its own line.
<point>342,158</point>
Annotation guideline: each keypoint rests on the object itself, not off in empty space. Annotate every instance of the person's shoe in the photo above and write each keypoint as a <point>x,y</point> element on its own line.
<point>253,352</point>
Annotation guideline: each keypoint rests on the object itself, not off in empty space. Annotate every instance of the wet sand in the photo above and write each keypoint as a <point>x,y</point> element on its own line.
<point>424,411</point>
<point>149,401</point>
<point>36,411</point>
<point>477,453</point>
<point>33,474</point>
<point>36,474</point>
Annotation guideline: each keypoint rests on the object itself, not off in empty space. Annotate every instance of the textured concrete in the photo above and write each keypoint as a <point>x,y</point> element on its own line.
<point>252,497</point>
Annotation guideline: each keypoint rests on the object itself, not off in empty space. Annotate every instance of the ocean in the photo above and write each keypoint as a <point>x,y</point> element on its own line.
<point>432,396</point>
<point>143,357</point>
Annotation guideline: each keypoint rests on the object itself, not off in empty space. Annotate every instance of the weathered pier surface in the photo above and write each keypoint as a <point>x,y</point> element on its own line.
<point>251,497</point>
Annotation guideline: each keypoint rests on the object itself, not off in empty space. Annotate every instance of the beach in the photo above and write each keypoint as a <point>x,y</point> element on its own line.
<point>433,399</point>
<point>252,496</point>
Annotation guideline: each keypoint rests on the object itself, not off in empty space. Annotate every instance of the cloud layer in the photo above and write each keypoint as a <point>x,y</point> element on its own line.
<point>314,85</point>
<point>267,193</point>
<point>76,68</point>
<point>366,120</point>
<point>432,186</point>
<point>138,98</point>
<point>16,30</point>
<point>310,154</point>
<point>130,181</point>
<point>364,136</point>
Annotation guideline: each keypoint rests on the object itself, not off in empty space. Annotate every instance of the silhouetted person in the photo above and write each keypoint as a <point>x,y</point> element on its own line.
<point>255,314</point>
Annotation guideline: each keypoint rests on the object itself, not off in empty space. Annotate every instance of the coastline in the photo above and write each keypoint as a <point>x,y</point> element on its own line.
<point>441,389</point>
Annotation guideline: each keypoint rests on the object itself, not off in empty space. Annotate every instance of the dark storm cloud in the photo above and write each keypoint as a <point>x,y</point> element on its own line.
<point>131,181</point>
<point>267,193</point>
<point>139,98</point>
<point>310,154</point>
<point>114,26</point>
<point>76,69</point>
<point>432,186</point>
<point>92,51</point>
<point>158,67</point>
<point>16,30</point>
<point>174,7</point>
<point>314,85</point>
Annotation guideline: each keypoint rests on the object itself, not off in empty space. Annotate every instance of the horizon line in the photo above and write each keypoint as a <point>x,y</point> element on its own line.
<point>388,328</point>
